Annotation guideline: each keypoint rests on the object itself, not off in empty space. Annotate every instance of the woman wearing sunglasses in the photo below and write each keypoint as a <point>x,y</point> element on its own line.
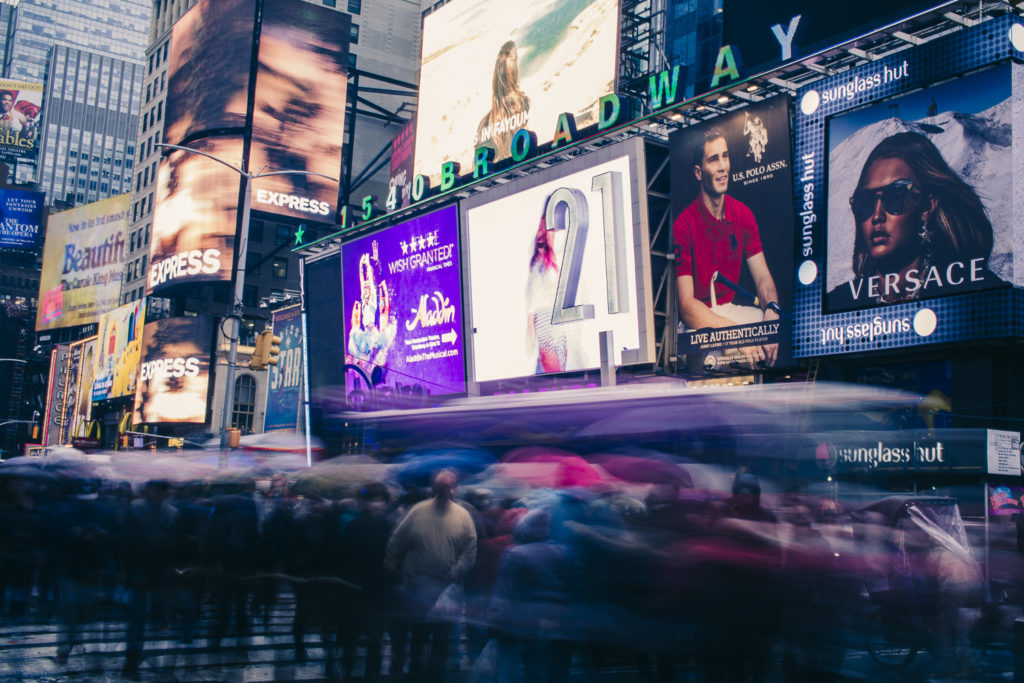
<point>921,230</point>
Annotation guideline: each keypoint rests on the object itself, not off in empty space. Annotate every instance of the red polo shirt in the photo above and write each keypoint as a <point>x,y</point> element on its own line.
<point>704,245</point>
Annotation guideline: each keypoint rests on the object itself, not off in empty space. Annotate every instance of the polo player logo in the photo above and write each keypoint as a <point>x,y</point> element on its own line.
<point>757,136</point>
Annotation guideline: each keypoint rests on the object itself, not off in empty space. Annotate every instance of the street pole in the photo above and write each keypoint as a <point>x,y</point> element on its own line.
<point>235,313</point>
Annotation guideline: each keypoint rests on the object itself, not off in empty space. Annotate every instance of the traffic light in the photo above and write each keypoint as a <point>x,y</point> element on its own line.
<point>266,350</point>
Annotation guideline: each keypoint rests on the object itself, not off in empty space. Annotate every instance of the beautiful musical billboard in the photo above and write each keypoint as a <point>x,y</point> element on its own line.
<point>21,218</point>
<point>83,263</point>
<point>403,305</point>
<point>299,111</point>
<point>553,260</point>
<point>733,235</point>
<point>491,68</point>
<point>193,236</point>
<point>208,68</point>
<point>174,374</point>
<point>907,180</point>
<point>118,349</point>
<point>21,106</point>
<point>285,381</point>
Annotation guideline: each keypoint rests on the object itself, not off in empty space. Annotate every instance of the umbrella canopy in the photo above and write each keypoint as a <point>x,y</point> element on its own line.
<point>645,470</point>
<point>550,468</point>
<point>417,468</point>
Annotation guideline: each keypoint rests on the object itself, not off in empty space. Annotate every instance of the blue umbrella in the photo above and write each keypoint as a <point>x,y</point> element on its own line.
<point>417,468</point>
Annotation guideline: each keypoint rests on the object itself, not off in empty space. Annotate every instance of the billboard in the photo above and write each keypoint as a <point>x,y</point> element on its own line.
<point>285,381</point>
<point>907,188</point>
<point>403,305</point>
<point>174,374</point>
<point>56,388</point>
<point>554,259</point>
<point>400,179</point>
<point>299,110</point>
<point>21,218</point>
<point>733,235</point>
<point>194,220</point>
<point>78,398</point>
<point>491,68</point>
<point>83,263</point>
<point>900,160</point>
<point>118,348</point>
<point>208,68</point>
<point>770,33</point>
<point>21,106</point>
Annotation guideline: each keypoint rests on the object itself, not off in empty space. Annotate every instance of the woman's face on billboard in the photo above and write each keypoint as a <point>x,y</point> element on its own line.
<point>890,237</point>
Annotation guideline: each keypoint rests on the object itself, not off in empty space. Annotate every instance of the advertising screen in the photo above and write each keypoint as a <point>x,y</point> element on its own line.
<point>56,388</point>
<point>117,354</point>
<point>555,259</point>
<point>937,161</point>
<point>21,106</point>
<point>491,68</point>
<point>733,234</point>
<point>174,374</point>
<point>400,180</point>
<point>299,112</point>
<point>285,381</point>
<point>1006,500</point>
<point>208,71</point>
<point>83,263</point>
<point>78,397</point>
<point>21,218</point>
<point>907,185</point>
<point>194,219</point>
<point>403,305</point>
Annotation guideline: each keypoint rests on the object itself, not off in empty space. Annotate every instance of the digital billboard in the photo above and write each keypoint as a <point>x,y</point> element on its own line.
<point>906,187</point>
<point>491,68</point>
<point>553,260</point>
<point>174,374</point>
<point>920,203</point>
<point>21,106</point>
<point>78,398</point>
<point>403,305</point>
<point>117,353</point>
<point>402,157</point>
<point>21,218</point>
<point>285,381</point>
<point>733,235</point>
<point>83,263</point>
<point>194,218</point>
<point>299,109</point>
<point>770,33</point>
<point>208,68</point>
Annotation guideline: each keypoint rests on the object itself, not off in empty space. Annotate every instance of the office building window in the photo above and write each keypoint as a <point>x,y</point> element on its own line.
<point>355,6</point>
<point>280,268</point>
<point>245,403</point>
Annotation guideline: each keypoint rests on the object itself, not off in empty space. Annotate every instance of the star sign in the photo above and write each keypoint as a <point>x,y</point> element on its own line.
<point>299,233</point>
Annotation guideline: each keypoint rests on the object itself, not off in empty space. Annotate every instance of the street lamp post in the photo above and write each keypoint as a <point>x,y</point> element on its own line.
<point>239,275</point>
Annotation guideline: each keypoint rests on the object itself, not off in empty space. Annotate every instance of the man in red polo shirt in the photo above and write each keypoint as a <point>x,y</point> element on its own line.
<point>719,233</point>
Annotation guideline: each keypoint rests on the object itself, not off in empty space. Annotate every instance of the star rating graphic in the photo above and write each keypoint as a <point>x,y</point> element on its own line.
<point>418,243</point>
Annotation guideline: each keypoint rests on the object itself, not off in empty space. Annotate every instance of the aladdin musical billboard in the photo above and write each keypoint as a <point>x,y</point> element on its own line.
<point>907,208</point>
<point>299,112</point>
<point>285,380</point>
<point>733,235</point>
<point>403,305</point>
<point>119,345</point>
<point>83,263</point>
<point>193,237</point>
<point>174,374</point>
<point>553,260</point>
<point>491,68</point>
<point>21,218</point>
<point>21,106</point>
<point>208,68</point>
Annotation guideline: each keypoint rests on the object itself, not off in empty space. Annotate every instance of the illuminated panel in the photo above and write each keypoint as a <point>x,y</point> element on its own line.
<point>208,71</point>
<point>194,220</point>
<point>553,260</point>
<point>119,343</point>
<point>21,219</point>
<point>83,263</point>
<point>174,374</point>
<point>299,114</point>
<point>285,378</point>
<point>490,68</point>
<point>21,112</point>
<point>403,305</point>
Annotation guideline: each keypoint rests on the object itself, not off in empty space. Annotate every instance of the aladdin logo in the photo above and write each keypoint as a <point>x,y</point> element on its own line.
<point>183,265</point>
<point>293,202</point>
<point>169,367</point>
<point>442,312</point>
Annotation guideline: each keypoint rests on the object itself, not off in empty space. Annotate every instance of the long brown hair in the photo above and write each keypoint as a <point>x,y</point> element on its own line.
<point>507,98</point>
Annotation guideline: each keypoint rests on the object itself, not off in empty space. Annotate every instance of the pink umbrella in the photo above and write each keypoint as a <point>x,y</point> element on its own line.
<point>550,468</point>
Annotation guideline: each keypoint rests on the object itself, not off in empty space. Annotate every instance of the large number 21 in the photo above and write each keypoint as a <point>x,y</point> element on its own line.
<point>568,209</point>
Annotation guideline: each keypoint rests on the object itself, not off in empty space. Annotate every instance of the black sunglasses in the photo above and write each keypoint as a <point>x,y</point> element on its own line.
<point>897,198</point>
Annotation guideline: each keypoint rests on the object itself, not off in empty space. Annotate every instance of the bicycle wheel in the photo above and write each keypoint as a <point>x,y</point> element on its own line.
<point>890,640</point>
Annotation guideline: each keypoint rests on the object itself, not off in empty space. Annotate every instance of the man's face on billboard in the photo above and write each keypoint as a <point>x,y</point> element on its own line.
<point>713,172</point>
<point>6,102</point>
